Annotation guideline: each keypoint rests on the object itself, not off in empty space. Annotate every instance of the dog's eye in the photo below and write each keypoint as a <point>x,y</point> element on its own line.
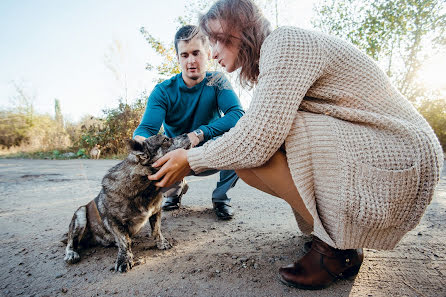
<point>166,142</point>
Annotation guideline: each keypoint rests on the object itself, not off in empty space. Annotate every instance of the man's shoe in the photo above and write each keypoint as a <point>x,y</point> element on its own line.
<point>321,266</point>
<point>174,202</point>
<point>223,210</point>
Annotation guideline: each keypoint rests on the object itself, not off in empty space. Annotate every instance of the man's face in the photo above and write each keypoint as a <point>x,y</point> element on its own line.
<point>193,57</point>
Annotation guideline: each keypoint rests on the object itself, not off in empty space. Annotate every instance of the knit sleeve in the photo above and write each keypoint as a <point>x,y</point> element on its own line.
<point>291,61</point>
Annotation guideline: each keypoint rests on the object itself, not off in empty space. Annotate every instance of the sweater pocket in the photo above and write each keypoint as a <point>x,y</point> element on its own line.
<point>383,198</point>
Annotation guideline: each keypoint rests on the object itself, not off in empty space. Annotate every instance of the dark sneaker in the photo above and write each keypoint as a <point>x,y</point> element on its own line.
<point>223,210</point>
<point>174,202</point>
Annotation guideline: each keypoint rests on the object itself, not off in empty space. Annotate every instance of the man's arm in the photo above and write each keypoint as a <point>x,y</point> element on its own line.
<point>154,115</point>
<point>229,104</point>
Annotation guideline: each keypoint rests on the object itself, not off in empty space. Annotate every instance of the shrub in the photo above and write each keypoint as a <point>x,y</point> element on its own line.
<point>434,111</point>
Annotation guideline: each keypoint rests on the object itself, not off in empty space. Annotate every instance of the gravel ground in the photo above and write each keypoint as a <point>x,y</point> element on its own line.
<point>209,257</point>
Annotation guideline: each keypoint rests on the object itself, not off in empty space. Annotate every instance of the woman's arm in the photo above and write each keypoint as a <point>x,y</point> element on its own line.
<point>291,61</point>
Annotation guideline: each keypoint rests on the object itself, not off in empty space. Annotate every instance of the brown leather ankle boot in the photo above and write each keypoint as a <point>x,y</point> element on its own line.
<point>321,266</point>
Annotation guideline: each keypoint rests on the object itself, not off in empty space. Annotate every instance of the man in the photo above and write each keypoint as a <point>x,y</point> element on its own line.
<point>192,102</point>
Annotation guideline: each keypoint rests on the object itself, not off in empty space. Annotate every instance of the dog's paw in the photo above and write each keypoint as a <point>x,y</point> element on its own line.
<point>124,262</point>
<point>163,245</point>
<point>72,257</point>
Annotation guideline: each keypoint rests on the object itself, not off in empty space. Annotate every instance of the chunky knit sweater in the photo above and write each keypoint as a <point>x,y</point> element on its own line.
<point>363,159</point>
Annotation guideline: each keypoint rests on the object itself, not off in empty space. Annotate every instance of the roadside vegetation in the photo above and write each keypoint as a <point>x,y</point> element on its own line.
<point>402,36</point>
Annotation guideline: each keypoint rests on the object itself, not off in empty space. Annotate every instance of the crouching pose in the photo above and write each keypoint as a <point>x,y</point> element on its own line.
<point>326,131</point>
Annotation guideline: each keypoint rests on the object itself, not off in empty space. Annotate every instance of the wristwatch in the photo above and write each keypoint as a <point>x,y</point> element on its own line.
<point>199,133</point>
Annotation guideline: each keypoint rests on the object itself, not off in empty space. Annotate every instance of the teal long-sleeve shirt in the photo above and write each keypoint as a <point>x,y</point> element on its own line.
<point>182,109</point>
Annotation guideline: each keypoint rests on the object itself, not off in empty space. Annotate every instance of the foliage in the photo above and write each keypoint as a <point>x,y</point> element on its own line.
<point>14,128</point>
<point>111,131</point>
<point>434,111</point>
<point>169,66</point>
<point>21,128</point>
<point>41,133</point>
<point>395,33</point>
<point>115,61</point>
<point>81,153</point>
<point>58,117</point>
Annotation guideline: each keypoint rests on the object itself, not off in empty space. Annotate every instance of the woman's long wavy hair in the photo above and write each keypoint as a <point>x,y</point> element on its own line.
<point>245,18</point>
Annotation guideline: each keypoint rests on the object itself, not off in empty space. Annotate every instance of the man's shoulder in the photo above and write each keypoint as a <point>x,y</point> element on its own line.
<point>170,82</point>
<point>217,79</point>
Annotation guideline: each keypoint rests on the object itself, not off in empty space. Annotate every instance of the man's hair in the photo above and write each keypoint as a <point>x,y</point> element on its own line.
<point>186,33</point>
<point>245,18</point>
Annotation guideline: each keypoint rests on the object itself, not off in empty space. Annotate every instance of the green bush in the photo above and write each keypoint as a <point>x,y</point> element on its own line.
<point>36,132</point>
<point>111,131</point>
<point>434,111</point>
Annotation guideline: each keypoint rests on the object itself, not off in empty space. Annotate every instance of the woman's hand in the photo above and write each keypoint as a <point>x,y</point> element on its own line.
<point>174,168</point>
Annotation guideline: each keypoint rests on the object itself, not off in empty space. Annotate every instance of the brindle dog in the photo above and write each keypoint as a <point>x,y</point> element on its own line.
<point>126,201</point>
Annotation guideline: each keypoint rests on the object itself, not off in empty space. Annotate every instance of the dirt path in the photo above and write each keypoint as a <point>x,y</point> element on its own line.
<point>209,258</point>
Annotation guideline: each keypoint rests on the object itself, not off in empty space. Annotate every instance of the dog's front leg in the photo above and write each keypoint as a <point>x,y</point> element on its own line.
<point>155,223</point>
<point>124,261</point>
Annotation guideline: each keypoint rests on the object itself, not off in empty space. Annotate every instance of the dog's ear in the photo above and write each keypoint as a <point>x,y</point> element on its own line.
<point>134,145</point>
<point>152,144</point>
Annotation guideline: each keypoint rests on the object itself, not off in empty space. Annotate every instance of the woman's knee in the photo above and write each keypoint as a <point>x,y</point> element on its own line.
<point>244,174</point>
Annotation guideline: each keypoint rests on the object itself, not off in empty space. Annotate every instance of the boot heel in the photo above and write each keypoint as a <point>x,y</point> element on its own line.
<point>351,273</point>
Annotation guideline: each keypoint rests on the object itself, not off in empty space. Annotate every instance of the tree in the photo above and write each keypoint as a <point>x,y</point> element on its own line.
<point>23,102</point>
<point>169,65</point>
<point>58,113</point>
<point>16,123</point>
<point>397,34</point>
<point>115,61</point>
<point>434,111</point>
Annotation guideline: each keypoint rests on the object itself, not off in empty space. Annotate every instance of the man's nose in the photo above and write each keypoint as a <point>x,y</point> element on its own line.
<point>191,59</point>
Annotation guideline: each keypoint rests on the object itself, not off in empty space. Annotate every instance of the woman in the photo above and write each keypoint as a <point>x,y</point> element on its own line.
<point>327,132</point>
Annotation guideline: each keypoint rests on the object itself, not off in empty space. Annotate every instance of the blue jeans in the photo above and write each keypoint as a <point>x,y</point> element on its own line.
<point>228,179</point>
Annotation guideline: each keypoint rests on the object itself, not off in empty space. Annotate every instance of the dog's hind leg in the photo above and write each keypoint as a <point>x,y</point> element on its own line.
<point>75,233</point>
<point>155,223</point>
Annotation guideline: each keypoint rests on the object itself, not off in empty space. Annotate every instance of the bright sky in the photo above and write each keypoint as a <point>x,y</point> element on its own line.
<point>56,49</point>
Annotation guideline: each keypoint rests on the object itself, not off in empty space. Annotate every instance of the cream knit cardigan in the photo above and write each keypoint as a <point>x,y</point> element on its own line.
<point>363,159</point>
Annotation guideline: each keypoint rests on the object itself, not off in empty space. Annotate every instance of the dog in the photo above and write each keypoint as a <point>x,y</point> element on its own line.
<point>126,201</point>
<point>95,152</point>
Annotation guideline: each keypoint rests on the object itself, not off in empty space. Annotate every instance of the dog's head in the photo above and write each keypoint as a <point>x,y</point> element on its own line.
<point>154,147</point>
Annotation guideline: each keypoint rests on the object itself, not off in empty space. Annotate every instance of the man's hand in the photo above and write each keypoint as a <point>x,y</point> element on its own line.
<point>174,168</point>
<point>193,139</point>
<point>139,138</point>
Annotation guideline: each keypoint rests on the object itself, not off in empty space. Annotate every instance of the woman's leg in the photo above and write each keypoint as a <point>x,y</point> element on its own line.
<point>274,178</point>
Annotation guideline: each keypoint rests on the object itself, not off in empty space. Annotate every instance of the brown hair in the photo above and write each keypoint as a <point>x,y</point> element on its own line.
<point>186,33</point>
<point>245,18</point>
